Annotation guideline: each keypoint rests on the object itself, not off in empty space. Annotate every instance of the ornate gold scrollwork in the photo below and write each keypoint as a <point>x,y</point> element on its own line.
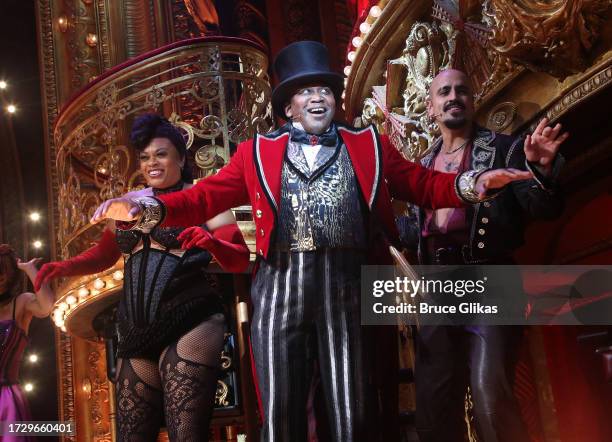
<point>226,360</point>
<point>456,37</point>
<point>555,36</point>
<point>501,116</point>
<point>98,395</point>
<point>219,95</point>
<point>427,52</point>
<point>221,394</point>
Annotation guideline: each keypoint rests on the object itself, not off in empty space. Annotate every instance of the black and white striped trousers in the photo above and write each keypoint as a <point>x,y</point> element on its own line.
<point>306,306</point>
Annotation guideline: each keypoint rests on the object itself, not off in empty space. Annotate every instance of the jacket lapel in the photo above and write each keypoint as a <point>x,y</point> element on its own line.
<point>483,149</point>
<point>365,153</point>
<point>297,158</point>
<point>269,154</point>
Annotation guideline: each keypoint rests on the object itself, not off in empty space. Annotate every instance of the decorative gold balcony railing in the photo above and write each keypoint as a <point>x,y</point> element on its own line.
<point>215,90</point>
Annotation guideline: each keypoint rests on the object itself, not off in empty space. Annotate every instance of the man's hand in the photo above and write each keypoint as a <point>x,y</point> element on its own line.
<point>542,146</point>
<point>498,178</point>
<point>120,209</point>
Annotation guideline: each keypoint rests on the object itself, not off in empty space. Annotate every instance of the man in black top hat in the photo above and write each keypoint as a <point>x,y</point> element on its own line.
<point>321,202</point>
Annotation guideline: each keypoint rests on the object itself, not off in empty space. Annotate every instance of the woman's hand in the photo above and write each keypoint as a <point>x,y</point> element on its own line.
<point>195,237</point>
<point>31,265</point>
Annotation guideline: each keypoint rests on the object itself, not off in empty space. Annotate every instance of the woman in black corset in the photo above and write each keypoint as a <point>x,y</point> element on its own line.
<point>170,319</point>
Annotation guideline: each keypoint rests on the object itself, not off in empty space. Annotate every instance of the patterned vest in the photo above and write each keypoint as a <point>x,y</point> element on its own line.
<point>322,207</point>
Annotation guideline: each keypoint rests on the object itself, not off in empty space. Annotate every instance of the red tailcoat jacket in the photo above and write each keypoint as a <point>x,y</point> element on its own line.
<point>253,176</point>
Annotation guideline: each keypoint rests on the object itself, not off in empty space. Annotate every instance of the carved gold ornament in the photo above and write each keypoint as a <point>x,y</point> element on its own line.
<point>216,93</point>
<point>554,36</point>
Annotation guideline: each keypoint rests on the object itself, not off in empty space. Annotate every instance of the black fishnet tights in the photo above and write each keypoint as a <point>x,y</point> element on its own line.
<point>182,386</point>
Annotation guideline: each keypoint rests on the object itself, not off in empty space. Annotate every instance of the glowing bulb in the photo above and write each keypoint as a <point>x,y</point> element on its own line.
<point>3,84</point>
<point>91,40</point>
<point>28,387</point>
<point>99,284</point>
<point>118,275</point>
<point>365,27</point>
<point>357,41</point>
<point>347,71</point>
<point>37,244</point>
<point>63,23</point>
<point>351,56</point>
<point>62,306</point>
<point>11,109</point>
<point>59,322</point>
<point>62,328</point>
<point>375,11</point>
<point>33,358</point>
<point>83,292</point>
<point>71,299</point>
<point>34,216</point>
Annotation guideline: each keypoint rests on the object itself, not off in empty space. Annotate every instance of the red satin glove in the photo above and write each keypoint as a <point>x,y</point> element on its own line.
<point>225,243</point>
<point>93,260</point>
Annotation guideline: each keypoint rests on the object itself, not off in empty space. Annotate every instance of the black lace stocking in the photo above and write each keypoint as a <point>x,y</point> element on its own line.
<point>189,370</point>
<point>139,400</point>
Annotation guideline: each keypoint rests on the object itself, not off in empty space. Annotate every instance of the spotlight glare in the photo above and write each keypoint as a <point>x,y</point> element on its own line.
<point>34,216</point>
<point>37,244</point>
<point>33,357</point>
<point>3,84</point>
<point>28,387</point>
<point>11,109</point>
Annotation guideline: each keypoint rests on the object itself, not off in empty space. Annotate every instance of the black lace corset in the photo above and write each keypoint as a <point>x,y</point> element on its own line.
<point>127,240</point>
<point>152,276</point>
<point>150,272</point>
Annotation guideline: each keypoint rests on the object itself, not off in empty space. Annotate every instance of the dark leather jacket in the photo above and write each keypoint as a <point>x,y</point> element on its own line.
<point>496,226</point>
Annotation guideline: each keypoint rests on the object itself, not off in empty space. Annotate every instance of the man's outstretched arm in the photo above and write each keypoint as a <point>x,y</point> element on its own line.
<point>430,189</point>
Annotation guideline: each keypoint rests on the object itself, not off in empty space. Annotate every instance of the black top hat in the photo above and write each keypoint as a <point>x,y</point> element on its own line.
<point>300,63</point>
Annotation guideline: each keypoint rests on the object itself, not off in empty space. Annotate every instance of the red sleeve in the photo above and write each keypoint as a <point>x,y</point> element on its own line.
<point>229,248</point>
<point>409,181</point>
<point>93,260</point>
<point>210,196</point>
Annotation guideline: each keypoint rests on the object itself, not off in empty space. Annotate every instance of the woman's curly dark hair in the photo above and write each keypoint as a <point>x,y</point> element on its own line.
<point>149,126</point>
<point>8,268</point>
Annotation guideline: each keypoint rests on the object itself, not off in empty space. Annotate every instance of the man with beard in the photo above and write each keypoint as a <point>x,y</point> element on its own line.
<point>483,357</point>
<point>321,200</point>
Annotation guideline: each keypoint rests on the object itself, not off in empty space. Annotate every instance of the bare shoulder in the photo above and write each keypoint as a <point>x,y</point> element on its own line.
<point>24,299</point>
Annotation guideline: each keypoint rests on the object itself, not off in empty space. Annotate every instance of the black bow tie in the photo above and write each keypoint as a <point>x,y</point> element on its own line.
<point>329,138</point>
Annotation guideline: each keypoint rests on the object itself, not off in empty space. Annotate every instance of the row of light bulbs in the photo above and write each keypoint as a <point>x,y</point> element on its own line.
<point>10,108</point>
<point>74,298</point>
<point>357,41</point>
<point>34,216</point>
<point>37,244</point>
<point>29,386</point>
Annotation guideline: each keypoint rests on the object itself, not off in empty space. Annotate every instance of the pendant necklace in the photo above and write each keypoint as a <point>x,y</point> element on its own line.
<point>452,165</point>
